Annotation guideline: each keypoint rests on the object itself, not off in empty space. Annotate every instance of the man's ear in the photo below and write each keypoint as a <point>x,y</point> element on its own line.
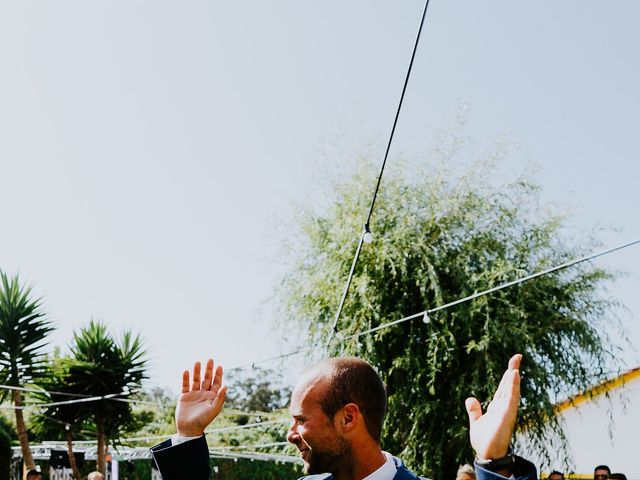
<point>350,418</point>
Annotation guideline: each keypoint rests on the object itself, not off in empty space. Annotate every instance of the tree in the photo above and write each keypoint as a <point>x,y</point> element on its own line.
<point>104,366</point>
<point>444,230</point>
<point>23,330</point>
<point>259,391</point>
<point>61,421</point>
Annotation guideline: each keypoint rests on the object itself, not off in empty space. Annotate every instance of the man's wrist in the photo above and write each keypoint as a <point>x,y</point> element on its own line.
<point>188,432</point>
<point>502,465</point>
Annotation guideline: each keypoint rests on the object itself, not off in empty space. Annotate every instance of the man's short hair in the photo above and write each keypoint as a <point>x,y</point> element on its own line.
<point>353,380</point>
<point>556,472</point>
<point>34,475</point>
<point>603,467</point>
<point>95,476</point>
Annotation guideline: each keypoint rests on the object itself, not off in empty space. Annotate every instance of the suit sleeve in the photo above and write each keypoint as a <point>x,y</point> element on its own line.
<point>522,470</point>
<point>185,460</point>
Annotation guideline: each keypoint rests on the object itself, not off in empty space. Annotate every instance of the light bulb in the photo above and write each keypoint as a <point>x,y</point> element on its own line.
<point>368,238</point>
<point>425,318</point>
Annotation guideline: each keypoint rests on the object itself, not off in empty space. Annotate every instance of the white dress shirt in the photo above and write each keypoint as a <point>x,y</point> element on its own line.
<point>386,472</point>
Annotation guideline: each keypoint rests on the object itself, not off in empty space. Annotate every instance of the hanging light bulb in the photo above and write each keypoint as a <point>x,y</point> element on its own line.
<point>367,237</point>
<point>425,317</point>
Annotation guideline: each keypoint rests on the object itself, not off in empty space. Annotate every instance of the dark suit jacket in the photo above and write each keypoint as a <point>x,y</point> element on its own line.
<point>185,461</point>
<point>523,470</point>
<point>190,460</point>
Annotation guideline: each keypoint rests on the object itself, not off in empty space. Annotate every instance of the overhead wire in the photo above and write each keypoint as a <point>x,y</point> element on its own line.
<point>459,301</point>
<point>366,230</point>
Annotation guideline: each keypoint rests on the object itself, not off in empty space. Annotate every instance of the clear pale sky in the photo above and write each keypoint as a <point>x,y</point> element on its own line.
<point>146,147</point>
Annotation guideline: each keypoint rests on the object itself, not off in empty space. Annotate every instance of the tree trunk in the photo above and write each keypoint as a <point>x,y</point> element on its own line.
<point>102,452</point>
<point>22,431</point>
<point>72,457</point>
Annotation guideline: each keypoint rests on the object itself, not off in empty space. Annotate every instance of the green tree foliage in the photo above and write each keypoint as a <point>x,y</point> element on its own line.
<point>261,390</point>
<point>23,331</point>
<point>60,422</point>
<point>101,366</point>
<point>442,232</point>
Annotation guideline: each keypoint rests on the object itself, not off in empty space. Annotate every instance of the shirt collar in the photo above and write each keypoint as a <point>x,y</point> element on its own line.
<point>386,472</point>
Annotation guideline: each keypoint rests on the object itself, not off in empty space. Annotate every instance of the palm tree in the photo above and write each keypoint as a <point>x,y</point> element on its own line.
<point>23,330</point>
<point>104,366</point>
<point>61,421</point>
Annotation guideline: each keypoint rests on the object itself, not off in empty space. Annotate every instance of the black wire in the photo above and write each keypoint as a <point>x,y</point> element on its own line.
<point>345,292</point>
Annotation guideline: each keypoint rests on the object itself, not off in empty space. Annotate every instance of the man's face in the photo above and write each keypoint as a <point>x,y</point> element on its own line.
<point>556,476</point>
<point>600,474</point>
<point>322,448</point>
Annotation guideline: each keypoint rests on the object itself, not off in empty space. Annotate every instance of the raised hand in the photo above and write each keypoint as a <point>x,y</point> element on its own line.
<point>491,433</point>
<point>199,403</point>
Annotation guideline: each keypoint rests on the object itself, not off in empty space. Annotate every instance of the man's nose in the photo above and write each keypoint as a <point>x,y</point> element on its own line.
<point>292,433</point>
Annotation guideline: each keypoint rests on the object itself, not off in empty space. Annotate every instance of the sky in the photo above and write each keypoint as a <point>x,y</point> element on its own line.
<point>147,149</point>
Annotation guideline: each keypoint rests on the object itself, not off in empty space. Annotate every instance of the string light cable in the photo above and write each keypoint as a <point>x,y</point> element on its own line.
<point>366,235</point>
<point>425,313</point>
<point>90,398</point>
<point>213,430</point>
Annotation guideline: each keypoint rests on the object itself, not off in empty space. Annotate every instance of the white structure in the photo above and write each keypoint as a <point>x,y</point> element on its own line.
<point>603,427</point>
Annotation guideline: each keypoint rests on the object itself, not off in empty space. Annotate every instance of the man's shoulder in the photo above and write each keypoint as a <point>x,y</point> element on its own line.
<point>403,473</point>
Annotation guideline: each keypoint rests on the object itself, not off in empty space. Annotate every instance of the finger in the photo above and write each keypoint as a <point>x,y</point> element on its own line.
<point>218,402</point>
<point>505,382</point>
<point>514,390</point>
<point>196,377</point>
<point>217,381</point>
<point>185,381</point>
<point>474,410</point>
<point>514,362</point>
<point>502,386</point>
<point>208,374</point>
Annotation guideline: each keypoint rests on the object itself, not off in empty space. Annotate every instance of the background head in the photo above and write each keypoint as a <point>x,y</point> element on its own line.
<point>34,475</point>
<point>601,472</point>
<point>95,476</point>
<point>466,472</point>
<point>556,475</point>
<point>617,476</point>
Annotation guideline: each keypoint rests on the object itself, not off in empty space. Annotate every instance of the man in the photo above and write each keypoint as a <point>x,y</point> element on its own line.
<point>95,476</point>
<point>34,475</point>
<point>338,407</point>
<point>601,472</point>
<point>556,475</point>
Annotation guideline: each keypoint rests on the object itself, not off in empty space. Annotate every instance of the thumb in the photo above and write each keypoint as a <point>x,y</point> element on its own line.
<point>474,410</point>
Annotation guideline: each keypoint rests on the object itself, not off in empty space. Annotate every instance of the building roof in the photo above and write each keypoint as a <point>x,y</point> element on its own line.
<point>600,389</point>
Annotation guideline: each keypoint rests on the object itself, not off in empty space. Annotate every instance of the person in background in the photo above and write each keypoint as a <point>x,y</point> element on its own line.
<point>466,472</point>
<point>617,476</point>
<point>95,476</point>
<point>556,475</point>
<point>34,475</point>
<point>601,472</point>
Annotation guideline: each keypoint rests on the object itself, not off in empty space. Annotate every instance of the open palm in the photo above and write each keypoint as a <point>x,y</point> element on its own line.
<point>200,402</point>
<point>491,432</point>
